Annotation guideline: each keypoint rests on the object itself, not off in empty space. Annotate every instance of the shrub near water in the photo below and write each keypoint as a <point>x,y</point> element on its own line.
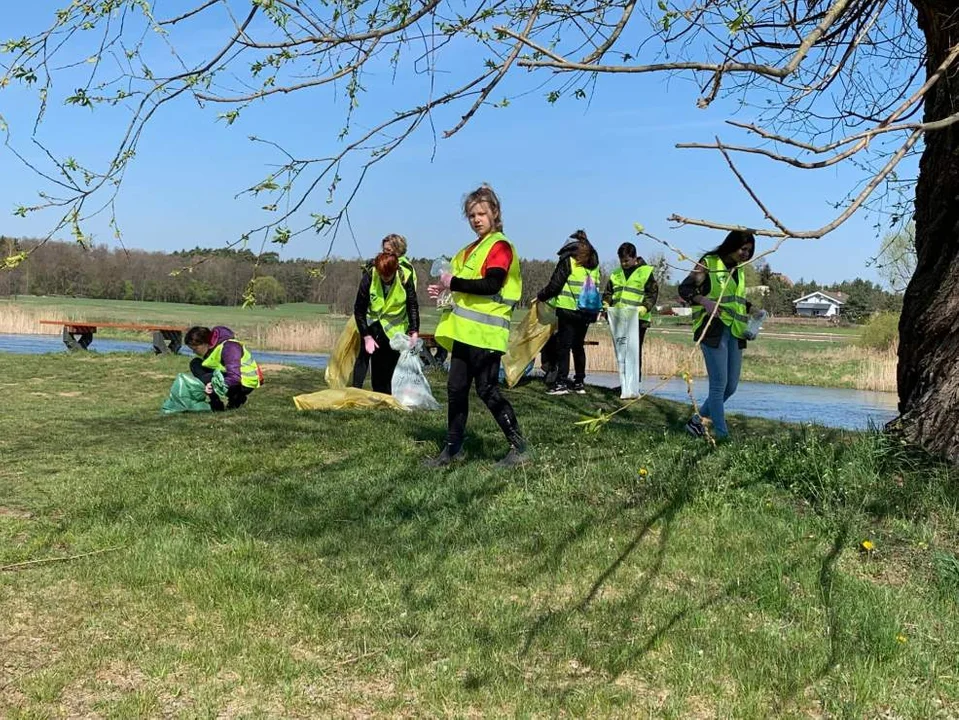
<point>881,331</point>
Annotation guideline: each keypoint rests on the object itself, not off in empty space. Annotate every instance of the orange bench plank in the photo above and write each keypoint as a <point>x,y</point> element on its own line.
<point>120,326</point>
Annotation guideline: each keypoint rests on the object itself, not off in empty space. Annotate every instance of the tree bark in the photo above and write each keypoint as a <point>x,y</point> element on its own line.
<point>928,370</point>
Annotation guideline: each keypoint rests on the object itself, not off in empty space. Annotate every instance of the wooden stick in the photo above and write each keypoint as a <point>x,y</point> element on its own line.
<point>30,563</point>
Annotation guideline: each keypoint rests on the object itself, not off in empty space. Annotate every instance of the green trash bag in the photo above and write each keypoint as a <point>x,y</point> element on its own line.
<point>188,394</point>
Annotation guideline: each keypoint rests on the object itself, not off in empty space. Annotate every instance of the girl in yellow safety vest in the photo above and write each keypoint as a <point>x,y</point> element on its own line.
<point>633,285</point>
<point>385,306</point>
<point>486,284</point>
<point>716,289</point>
<point>217,349</point>
<point>395,244</point>
<point>578,262</point>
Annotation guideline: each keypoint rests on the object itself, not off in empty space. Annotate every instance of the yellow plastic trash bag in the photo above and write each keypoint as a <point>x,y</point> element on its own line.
<point>527,340</point>
<point>345,398</point>
<point>339,371</point>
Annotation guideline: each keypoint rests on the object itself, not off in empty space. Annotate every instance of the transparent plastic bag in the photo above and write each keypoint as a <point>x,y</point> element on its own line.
<point>755,324</point>
<point>624,327</point>
<point>410,388</point>
<point>442,265</point>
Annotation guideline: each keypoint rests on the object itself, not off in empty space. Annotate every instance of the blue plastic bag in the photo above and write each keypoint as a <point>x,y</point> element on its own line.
<point>589,299</point>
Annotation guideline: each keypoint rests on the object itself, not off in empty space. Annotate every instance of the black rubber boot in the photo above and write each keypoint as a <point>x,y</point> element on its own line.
<point>518,451</point>
<point>446,458</point>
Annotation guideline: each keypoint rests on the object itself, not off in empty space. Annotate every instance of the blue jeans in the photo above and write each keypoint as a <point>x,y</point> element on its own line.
<point>723,365</point>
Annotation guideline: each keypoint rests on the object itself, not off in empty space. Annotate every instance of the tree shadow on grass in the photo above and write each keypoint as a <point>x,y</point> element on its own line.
<point>664,517</point>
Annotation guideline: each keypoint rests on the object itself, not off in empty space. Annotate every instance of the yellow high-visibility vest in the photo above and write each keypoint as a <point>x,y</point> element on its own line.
<point>731,298</point>
<point>631,291</point>
<point>388,311</point>
<point>249,370</point>
<point>481,320</point>
<point>569,295</point>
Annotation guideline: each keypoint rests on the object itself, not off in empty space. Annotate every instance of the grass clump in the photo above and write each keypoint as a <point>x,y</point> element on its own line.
<point>275,563</point>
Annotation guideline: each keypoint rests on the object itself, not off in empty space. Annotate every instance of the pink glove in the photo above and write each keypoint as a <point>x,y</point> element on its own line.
<point>413,338</point>
<point>446,279</point>
<point>370,344</point>
<point>708,305</point>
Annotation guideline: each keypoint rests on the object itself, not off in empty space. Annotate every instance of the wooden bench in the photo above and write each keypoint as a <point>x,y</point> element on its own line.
<point>432,355</point>
<point>77,335</point>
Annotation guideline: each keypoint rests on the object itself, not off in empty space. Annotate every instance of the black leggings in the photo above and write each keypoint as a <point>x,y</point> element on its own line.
<point>236,395</point>
<point>382,362</point>
<point>571,336</point>
<point>469,364</point>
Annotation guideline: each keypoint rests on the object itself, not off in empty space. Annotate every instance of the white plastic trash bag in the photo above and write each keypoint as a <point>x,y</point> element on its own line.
<point>410,387</point>
<point>624,326</point>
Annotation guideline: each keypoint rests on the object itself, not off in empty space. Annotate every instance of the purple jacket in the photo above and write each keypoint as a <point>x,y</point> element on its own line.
<point>232,352</point>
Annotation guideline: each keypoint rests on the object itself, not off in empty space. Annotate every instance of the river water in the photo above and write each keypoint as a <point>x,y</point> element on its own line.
<point>833,407</point>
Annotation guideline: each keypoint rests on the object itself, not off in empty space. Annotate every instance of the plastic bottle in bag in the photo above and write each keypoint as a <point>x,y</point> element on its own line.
<point>755,324</point>
<point>442,265</point>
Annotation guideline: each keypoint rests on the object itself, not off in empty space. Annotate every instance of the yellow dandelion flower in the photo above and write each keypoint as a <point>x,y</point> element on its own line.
<point>643,472</point>
<point>867,546</point>
<point>901,638</point>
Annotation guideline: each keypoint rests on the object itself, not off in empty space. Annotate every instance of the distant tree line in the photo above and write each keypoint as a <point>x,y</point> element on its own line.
<point>203,276</point>
<point>221,276</point>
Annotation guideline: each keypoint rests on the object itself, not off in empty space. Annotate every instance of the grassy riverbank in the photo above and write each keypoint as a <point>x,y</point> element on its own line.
<point>273,563</point>
<point>787,353</point>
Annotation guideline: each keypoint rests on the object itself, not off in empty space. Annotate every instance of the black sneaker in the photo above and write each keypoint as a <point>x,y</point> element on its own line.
<point>445,458</point>
<point>695,427</point>
<point>514,458</point>
<point>579,388</point>
<point>558,389</point>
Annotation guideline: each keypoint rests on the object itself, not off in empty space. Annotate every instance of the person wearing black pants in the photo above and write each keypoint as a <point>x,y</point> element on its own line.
<point>470,365</point>
<point>385,305</point>
<point>235,394</point>
<point>571,339</point>
<point>578,260</point>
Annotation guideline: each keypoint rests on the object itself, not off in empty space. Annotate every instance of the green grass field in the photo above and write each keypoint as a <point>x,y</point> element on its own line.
<point>132,311</point>
<point>275,563</point>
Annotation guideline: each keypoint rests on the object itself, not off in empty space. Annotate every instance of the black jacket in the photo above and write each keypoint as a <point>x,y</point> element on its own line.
<point>362,305</point>
<point>562,272</point>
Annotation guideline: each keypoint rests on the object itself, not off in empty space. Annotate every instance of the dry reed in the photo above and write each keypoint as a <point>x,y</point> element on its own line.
<point>18,321</point>
<point>311,337</point>
<point>877,369</point>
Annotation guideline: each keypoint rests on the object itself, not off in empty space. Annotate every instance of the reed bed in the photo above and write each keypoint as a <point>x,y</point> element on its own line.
<point>293,336</point>
<point>18,321</point>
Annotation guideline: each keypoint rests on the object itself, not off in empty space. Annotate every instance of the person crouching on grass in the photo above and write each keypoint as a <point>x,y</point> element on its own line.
<point>385,306</point>
<point>486,285</point>
<point>217,349</point>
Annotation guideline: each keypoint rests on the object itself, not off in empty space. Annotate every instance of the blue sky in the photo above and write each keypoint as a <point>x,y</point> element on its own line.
<point>601,165</point>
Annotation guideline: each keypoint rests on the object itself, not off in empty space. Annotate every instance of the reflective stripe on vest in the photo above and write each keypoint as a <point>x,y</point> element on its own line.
<point>631,291</point>
<point>729,293</point>
<point>481,320</point>
<point>569,295</point>
<point>389,311</point>
<point>249,370</point>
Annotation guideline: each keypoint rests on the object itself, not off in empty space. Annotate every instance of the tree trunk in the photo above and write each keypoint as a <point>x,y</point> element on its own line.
<point>928,371</point>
